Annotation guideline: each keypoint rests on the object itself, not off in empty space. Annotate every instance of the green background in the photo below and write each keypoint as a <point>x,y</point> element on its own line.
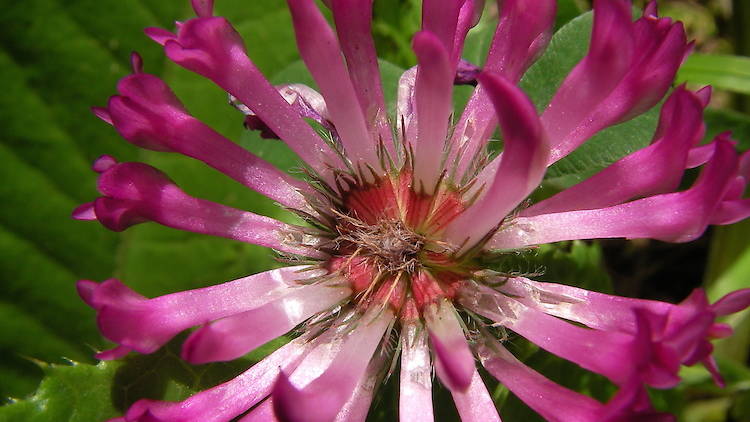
<point>59,57</point>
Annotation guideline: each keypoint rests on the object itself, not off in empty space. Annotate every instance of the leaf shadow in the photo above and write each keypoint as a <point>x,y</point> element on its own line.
<point>163,375</point>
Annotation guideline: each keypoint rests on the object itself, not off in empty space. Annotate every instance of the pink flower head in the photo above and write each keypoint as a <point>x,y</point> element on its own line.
<point>403,211</point>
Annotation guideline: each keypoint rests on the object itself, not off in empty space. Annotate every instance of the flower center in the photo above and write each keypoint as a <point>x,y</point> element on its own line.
<point>389,247</point>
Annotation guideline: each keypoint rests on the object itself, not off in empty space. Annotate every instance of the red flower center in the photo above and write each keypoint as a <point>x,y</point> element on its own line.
<point>389,244</point>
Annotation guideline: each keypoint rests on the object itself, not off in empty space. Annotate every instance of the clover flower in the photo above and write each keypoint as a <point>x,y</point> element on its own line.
<point>403,211</point>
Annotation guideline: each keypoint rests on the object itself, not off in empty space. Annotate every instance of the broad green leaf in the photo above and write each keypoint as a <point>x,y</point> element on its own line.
<point>71,393</point>
<point>730,73</point>
<point>567,47</point>
<point>54,71</point>
<point>79,392</point>
<point>57,59</point>
<point>567,10</point>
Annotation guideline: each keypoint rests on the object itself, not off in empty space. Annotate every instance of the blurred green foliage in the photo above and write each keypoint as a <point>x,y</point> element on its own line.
<point>60,57</point>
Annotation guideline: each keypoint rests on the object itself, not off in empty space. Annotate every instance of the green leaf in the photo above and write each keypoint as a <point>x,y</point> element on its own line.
<point>57,59</point>
<point>68,393</point>
<point>47,143</point>
<point>78,392</point>
<point>42,265</point>
<point>721,120</point>
<point>567,47</point>
<point>730,73</point>
<point>567,10</point>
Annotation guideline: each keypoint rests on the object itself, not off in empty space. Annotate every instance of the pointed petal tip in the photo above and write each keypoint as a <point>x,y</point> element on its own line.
<point>291,404</point>
<point>159,35</point>
<point>136,62</point>
<point>103,163</point>
<point>454,360</point>
<point>732,302</point>
<point>704,94</point>
<point>285,400</point>
<point>710,364</point>
<point>102,113</point>
<point>85,289</point>
<point>203,8</point>
<point>454,372</point>
<point>651,10</point>
<point>113,354</point>
<point>423,39</point>
<point>697,298</point>
<point>84,212</point>
<point>192,351</point>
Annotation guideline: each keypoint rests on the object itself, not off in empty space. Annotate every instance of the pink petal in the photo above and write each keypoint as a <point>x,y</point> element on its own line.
<point>710,364</point>
<point>159,35</point>
<point>102,114</point>
<point>475,403</point>
<point>415,386</point>
<point>730,212</point>
<point>262,413</point>
<point>358,405</point>
<point>629,68</point>
<point>440,17</point>
<point>113,354</point>
<point>321,53</point>
<point>212,48</point>
<point>675,334</point>
<point>454,361</point>
<point>86,289</point>
<point>466,20</point>
<point>354,410</point>
<point>406,109</point>
<point>521,169</point>
<point>203,8</point>
<point>353,26</point>
<point>84,212</point>
<point>593,309</point>
<point>433,97</point>
<point>632,404</point>
<point>318,389</point>
<point>309,98</point>
<point>732,303</point>
<point>609,58</point>
<point>612,354</point>
<point>148,114</point>
<point>655,169</point>
<point>556,403</point>
<point>653,352</point>
<point>142,324</point>
<point>226,401</point>
<point>135,193</point>
<point>674,217</point>
<point>522,33</point>
<point>231,337</point>
<point>550,400</point>
<point>103,163</point>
